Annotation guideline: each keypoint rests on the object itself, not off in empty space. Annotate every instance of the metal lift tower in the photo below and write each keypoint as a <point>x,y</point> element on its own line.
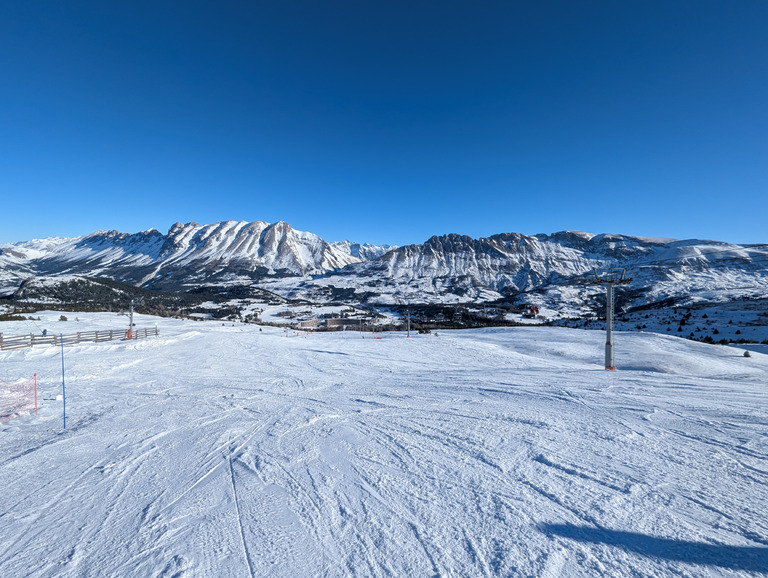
<point>609,278</point>
<point>138,301</point>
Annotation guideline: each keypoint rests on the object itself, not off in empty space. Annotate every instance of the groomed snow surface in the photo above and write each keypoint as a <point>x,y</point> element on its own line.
<point>221,450</point>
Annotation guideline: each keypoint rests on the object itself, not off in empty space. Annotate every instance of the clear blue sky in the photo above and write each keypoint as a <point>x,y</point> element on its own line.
<point>386,121</point>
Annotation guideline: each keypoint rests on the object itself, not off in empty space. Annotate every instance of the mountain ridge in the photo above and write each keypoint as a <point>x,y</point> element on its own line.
<point>188,254</point>
<point>543,268</point>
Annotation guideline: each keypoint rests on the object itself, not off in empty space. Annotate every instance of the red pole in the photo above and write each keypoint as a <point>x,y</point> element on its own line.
<point>35,395</point>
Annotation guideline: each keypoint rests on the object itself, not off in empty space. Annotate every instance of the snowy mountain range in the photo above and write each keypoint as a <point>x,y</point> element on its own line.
<point>191,254</point>
<point>551,269</point>
<point>450,268</point>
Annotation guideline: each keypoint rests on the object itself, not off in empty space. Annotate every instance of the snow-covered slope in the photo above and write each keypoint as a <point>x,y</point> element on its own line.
<point>229,451</point>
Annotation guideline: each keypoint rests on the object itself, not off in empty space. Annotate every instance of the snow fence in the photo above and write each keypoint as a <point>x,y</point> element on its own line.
<point>30,339</point>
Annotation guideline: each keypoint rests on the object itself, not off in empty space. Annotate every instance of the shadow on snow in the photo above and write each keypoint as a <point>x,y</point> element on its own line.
<point>749,558</point>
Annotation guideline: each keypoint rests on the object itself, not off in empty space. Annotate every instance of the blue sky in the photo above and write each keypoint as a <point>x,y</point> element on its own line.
<point>386,122</point>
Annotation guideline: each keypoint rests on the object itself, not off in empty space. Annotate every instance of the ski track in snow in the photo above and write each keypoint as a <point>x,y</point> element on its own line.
<point>228,451</point>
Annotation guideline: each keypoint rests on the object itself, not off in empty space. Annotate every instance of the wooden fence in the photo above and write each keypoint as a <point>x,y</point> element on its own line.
<point>30,339</point>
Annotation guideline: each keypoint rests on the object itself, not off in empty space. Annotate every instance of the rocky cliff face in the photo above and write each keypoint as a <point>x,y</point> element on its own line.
<point>189,254</point>
<point>455,267</point>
